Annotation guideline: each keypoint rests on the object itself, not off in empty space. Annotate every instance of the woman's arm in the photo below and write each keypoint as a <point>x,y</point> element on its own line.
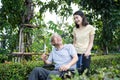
<point>91,40</point>
<point>74,39</point>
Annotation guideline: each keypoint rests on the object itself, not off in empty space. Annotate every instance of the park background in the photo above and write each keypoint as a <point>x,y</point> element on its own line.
<point>26,27</point>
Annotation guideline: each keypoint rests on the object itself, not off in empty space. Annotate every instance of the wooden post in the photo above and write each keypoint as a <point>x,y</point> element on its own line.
<point>21,43</point>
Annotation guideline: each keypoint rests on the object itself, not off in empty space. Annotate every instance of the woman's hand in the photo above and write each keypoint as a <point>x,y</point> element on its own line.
<point>87,54</point>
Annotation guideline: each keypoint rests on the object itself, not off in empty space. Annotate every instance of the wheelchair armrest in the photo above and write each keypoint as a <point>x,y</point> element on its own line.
<point>49,66</point>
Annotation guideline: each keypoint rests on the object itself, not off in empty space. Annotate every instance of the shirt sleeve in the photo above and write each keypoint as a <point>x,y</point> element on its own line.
<point>73,33</point>
<point>72,50</point>
<point>92,30</point>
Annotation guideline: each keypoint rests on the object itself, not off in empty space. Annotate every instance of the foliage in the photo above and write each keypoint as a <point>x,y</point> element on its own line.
<point>107,12</point>
<point>41,42</point>
<point>41,36</point>
<point>61,7</point>
<point>112,72</point>
<point>103,15</point>
<point>17,71</point>
<point>102,67</point>
<point>10,19</point>
<point>64,30</point>
<point>104,61</point>
<point>3,55</point>
<point>3,58</point>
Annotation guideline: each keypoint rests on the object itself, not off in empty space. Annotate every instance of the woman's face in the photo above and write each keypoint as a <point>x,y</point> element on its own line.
<point>78,19</point>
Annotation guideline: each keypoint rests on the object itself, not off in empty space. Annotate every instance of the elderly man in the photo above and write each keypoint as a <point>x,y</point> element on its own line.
<point>64,56</point>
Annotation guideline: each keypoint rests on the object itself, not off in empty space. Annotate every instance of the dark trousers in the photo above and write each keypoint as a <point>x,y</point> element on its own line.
<point>40,73</point>
<point>83,63</point>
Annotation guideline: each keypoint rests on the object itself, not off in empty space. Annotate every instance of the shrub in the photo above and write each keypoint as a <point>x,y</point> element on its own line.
<point>102,67</point>
<point>104,61</point>
<point>17,71</point>
<point>3,58</point>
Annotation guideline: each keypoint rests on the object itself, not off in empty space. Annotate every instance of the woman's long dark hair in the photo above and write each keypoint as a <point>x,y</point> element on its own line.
<point>84,20</point>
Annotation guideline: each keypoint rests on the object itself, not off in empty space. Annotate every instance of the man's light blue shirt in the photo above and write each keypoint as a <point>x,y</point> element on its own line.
<point>62,56</point>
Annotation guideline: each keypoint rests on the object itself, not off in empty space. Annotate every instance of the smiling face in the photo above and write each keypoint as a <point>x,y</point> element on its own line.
<point>78,19</point>
<point>56,40</point>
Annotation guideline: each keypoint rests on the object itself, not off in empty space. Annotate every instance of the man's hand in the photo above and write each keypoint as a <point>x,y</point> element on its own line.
<point>44,57</point>
<point>64,68</point>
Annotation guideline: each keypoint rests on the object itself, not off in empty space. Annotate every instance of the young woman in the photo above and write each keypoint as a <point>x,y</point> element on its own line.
<point>83,37</point>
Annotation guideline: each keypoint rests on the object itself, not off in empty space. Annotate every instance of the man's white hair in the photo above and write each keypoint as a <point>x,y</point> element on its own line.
<point>55,35</point>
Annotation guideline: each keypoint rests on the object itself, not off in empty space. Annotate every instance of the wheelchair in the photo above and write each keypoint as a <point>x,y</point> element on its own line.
<point>64,74</point>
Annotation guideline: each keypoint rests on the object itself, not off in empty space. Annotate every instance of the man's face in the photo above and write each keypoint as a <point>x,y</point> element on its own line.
<point>55,41</point>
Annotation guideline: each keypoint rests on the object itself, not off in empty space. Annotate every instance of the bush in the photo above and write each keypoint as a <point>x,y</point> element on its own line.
<point>3,58</point>
<point>102,67</point>
<point>3,55</point>
<point>17,71</point>
<point>104,61</point>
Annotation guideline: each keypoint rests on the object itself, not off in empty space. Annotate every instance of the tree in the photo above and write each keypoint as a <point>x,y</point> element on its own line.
<point>14,15</point>
<point>109,10</point>
<point>18,14</point>
<point>10,20</point>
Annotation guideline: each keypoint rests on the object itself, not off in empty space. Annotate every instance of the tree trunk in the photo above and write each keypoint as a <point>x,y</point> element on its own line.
<point>21,42</point>
<point>105,50</point>
<point>27,16</point>
<point>104,37</point>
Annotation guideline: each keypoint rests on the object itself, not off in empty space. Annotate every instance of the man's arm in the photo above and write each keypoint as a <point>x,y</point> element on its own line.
<point>44,58</point>
<point>72,62</point>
